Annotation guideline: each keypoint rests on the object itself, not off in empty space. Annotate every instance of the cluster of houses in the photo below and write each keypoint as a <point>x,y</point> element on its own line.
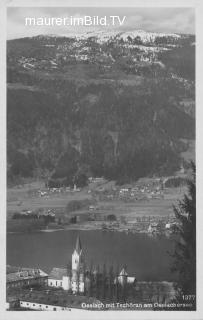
<point>37,214</point>
<point>153,190</point>
<point>155,224</point>
<point>45,193</point>
<point>150,225</point>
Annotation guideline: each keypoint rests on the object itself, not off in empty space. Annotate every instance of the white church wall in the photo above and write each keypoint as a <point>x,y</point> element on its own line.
<point>81,287</point>
<point>66,283</point>
<point>122,280</point>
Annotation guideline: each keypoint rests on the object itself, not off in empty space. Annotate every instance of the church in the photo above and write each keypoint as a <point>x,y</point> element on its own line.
<point>70,279</point>
<point>75,277</point>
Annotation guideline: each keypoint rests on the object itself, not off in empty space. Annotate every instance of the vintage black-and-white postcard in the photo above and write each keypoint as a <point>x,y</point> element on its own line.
<point>99,160</point>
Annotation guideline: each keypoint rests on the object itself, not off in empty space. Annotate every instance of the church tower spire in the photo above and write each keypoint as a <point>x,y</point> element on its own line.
<point>77,255</point>
<point>78,246</point>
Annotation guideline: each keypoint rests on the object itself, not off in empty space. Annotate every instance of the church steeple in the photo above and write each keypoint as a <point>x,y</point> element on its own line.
<point>77,255</point>
<point>78,246</point>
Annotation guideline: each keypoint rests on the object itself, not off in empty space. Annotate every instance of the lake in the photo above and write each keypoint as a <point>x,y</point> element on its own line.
<point>146,257</point>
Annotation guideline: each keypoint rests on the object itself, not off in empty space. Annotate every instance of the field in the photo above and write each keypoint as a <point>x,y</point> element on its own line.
<point>27,197</point>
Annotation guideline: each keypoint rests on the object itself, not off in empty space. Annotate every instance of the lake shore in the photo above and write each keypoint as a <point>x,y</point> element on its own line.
<point>142,254</point>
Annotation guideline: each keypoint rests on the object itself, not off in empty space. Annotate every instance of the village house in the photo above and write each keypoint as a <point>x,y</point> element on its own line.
<point>124,278</point>
<point>25,277</point>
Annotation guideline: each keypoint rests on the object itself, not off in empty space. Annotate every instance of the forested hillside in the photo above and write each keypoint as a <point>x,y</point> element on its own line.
<point>116,110</point>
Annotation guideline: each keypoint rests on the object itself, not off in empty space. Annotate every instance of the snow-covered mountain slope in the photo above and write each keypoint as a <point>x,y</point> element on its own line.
<point>104,36</point>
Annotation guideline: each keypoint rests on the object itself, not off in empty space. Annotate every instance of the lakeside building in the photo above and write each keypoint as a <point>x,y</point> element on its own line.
<point>21,277</point>
<point>124,278</point>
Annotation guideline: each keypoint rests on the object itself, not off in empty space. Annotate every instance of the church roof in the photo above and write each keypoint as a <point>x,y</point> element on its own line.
<point>78,246</point>
<point>58,273</point>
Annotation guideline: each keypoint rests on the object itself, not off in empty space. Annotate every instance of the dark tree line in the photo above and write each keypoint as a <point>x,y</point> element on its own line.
<point>104,285</point>
<point>185,251</point>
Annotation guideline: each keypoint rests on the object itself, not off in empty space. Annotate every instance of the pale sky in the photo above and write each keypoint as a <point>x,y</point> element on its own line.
<point>170,20</point>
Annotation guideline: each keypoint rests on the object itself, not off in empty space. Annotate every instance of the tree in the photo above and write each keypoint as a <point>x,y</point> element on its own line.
<point>111,217</point>
<point>117,291</point>
<point>97,284</point>
<point>110,283</point>
<point>91,288</point>
<point>103,284</point>
<point>185,250</point>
